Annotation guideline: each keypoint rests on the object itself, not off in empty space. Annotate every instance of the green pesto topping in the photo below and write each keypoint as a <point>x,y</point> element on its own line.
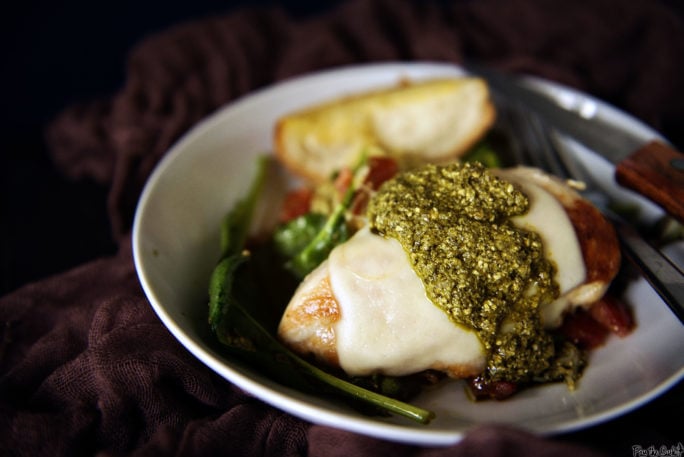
<point>482,270</point>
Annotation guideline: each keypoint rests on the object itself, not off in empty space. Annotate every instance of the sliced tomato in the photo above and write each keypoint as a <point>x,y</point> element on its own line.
<point>614,315</point>
<point>343,180</point>
<point>360,203</point>
<point>297,203</point>
<point>583,330</point>
<point>380,170</point>
<point>491,390</point>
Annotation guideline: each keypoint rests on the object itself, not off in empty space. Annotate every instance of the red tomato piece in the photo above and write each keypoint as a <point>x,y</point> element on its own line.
<point>360,203</point>
<point>343,181</point>
<point>381,169</point>
<point>583,330</point>
<point>492,390</point>
<point>297,203</point>
<point>613,314</point>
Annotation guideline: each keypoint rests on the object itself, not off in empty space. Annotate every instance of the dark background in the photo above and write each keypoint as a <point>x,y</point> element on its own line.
<point>56,54</point>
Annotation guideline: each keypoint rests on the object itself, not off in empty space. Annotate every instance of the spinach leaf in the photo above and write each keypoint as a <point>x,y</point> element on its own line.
<point>292,237</point>
<point>484,153</point>
<point>233,323</point>
<point>333,232</point>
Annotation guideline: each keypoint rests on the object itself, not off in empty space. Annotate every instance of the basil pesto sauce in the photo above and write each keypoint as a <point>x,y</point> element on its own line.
<point>482,270</point>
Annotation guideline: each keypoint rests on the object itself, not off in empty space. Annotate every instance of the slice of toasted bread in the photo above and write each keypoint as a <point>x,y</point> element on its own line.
<point>415,122</point>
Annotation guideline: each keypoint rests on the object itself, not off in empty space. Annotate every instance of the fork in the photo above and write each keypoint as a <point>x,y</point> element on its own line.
<point>536,145</point>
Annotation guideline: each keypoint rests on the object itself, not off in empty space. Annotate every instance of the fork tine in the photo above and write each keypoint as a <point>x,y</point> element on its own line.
<point>531,144</point>
<point>545,151</point>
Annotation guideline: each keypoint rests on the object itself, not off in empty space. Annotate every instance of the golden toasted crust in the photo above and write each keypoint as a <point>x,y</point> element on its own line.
<point>414,122</point>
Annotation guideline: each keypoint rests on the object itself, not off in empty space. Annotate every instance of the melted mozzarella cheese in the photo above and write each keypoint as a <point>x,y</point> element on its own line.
<point>547,217</point>
<point>387,323</point>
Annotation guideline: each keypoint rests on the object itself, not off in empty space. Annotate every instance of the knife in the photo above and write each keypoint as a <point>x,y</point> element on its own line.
<point>653,168</point>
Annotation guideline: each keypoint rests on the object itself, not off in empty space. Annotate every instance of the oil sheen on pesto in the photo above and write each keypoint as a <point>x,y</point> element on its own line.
<point>484,272</point>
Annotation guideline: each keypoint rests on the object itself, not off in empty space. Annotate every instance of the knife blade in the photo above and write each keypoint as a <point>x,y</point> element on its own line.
<point>652,168</point>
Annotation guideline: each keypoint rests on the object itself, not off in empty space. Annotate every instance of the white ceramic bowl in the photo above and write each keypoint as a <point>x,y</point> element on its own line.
<point>176,239</point>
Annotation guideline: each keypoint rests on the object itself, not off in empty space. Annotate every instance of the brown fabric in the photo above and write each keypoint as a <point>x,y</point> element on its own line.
<point>86,367</point>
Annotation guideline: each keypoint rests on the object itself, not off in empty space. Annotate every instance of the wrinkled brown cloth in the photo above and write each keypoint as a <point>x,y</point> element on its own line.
<point>88,369</point>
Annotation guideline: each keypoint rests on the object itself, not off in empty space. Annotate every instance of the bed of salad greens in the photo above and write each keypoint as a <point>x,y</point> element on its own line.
<point>244,317</point>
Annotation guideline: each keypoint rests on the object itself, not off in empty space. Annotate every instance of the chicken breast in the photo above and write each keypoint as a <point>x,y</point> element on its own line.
<point>597,240</point>
<point>366,311</point>
<point>385,330</point>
